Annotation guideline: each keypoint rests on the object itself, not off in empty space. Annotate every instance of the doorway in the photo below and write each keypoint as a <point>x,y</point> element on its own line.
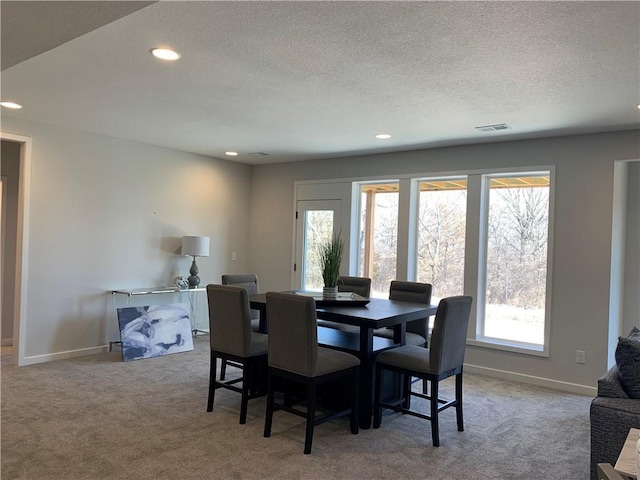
<point>16,167</point>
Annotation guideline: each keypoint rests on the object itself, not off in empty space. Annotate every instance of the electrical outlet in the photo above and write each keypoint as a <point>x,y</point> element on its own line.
<point>581,356</point>
<point>234,257</point>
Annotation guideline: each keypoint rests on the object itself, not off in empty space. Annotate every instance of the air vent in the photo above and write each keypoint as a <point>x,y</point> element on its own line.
<point>260,154</point>
<point>493,128</point>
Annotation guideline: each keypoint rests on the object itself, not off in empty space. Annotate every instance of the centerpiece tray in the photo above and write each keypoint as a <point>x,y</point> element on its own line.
<point>344,299</point>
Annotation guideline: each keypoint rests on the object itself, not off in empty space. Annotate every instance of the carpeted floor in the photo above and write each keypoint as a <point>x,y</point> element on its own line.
<point>95,417</point>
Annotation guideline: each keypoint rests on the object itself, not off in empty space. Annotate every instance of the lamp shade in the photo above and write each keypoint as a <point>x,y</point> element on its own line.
<point>195,246</point>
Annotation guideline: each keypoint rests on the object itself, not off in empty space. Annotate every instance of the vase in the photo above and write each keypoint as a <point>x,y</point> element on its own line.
<point>330,293</point>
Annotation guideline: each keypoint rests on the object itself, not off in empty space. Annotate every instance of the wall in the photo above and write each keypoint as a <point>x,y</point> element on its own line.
<point>631,302</point>
<point>10,167</point>
<point>107,214</point>
<point>582,242</point>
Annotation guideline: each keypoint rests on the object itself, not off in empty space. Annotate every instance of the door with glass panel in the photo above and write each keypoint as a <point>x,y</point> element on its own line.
<point>316,222</point>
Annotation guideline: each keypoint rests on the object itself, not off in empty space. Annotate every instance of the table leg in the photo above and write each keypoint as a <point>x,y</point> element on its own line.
<point>366,377</point>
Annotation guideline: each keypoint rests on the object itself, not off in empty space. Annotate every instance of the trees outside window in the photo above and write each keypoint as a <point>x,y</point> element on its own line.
<point>379,235</point>
<point>516,263</point>
<point>441,236</point>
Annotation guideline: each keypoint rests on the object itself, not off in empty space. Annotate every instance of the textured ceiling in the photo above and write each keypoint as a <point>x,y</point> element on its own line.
<point>309,80</point>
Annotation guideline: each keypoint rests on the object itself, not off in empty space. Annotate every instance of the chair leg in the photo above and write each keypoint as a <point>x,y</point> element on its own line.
<point>406,390</point>
<point>435,434</point>
<point>355,411</point>
<point>212,382</point>
<point>246,384</point>
<point>268,419</point>
<point>311,414</point>
<point>459,402</point>
<point>223,369</point>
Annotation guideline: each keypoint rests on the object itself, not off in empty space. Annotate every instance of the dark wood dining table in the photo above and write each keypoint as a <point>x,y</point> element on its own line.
<point>378,313</point>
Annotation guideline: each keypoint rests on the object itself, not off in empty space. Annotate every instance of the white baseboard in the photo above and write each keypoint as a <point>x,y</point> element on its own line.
<point>32,360</point>
<point>5,342</point>
<point>532,380</point>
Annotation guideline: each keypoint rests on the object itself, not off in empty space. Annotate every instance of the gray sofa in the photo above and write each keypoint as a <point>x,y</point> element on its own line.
<point>612,414</point>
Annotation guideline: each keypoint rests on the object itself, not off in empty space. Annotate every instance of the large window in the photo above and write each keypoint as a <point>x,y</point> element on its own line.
<point>442,213</point>
<point>378,235</point>
<point>516,258</point>
<point>484,234</point>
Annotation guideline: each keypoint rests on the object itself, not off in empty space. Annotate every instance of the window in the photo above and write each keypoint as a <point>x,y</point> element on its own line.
<point>378,237</point>
<point>441,229</point>
<point>515,269</point>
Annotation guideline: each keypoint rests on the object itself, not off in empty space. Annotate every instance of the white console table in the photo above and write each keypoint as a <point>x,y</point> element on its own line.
<point>192,296</point>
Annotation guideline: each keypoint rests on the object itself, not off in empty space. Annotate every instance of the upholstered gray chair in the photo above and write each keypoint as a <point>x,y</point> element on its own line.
<point>358,285</point>
<point>417,330</point>
<point>444,358</point>
<point>296,358</point>
<point>250,282</point>
<point>231,338</point>
<point>607,472</point>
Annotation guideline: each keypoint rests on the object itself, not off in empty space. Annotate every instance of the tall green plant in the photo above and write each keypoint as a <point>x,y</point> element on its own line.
<point>330,259</point>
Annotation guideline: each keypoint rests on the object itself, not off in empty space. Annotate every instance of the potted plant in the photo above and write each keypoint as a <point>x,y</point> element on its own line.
<point>330,259</point>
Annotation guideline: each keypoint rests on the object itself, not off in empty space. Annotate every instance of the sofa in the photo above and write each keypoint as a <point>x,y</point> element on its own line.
<point>616,407</point>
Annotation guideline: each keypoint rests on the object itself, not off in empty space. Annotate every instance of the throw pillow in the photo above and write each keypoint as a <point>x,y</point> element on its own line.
<point>628,361</point>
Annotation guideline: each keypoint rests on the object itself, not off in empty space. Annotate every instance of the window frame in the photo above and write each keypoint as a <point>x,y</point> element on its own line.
<point>479,238</point>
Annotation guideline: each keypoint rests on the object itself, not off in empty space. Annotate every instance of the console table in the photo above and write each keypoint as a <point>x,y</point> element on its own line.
<point>192,296</point>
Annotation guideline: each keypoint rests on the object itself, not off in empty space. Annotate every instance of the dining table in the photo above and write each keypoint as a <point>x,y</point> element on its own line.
<point>361,341</point>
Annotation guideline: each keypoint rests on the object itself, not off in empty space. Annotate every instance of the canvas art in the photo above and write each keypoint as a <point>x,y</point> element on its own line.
<point>154,330</point>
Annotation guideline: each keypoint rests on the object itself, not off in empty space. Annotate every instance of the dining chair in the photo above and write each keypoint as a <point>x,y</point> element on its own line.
<point>232,339</point>
<point>358,285</point>
<point>415,292</point>
<point>607,472</point>
<point>250,282</point>
<point>442,359</point>
<point>296,359</point>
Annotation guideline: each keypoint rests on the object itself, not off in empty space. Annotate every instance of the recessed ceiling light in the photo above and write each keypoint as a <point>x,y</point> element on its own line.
<point>11,105</point>
<point>231,154</point>
<point>383,136</point>
<point>165,54</point>
<point>639,105</point>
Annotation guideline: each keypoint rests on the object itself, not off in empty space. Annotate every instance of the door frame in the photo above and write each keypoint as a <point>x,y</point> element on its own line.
<point>22,242</point>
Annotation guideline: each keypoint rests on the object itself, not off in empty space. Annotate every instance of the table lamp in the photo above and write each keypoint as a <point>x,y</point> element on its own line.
<point>196,247</point>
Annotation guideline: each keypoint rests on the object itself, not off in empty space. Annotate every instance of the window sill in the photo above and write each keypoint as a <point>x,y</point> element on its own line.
<point>509,346</point>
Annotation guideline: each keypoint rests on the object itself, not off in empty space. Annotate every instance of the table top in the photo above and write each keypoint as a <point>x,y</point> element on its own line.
<point>377,313</point>
<point>626,463</point>
<point>156,290</point>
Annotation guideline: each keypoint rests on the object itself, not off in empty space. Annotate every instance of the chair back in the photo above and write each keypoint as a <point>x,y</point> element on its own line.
<point>246,280</point>
<point>449,336</point>
<point>414,292</point>
<point>359,285</point>
<point>229,320</point>
<point>293,333</point>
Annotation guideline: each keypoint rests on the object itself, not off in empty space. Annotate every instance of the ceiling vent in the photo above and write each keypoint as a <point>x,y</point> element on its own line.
<point>260,154</point>
<point>493,128</point>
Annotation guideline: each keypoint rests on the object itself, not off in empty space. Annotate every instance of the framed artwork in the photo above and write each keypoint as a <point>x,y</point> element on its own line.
<point>154,330</point>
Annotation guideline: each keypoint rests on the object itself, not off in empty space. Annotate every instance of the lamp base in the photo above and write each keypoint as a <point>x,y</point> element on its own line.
<point>194,279</point>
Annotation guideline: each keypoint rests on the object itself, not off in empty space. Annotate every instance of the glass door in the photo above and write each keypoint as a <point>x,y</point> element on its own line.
<point>316,222</point>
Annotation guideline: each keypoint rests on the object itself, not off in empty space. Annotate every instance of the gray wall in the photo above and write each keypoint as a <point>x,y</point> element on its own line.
<point>631,304</point>
<point>10,167</point>
<point>582,242</point>
<point>108,214</point>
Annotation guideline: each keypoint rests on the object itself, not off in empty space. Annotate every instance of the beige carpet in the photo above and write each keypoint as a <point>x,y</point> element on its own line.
<point>96,417</point>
